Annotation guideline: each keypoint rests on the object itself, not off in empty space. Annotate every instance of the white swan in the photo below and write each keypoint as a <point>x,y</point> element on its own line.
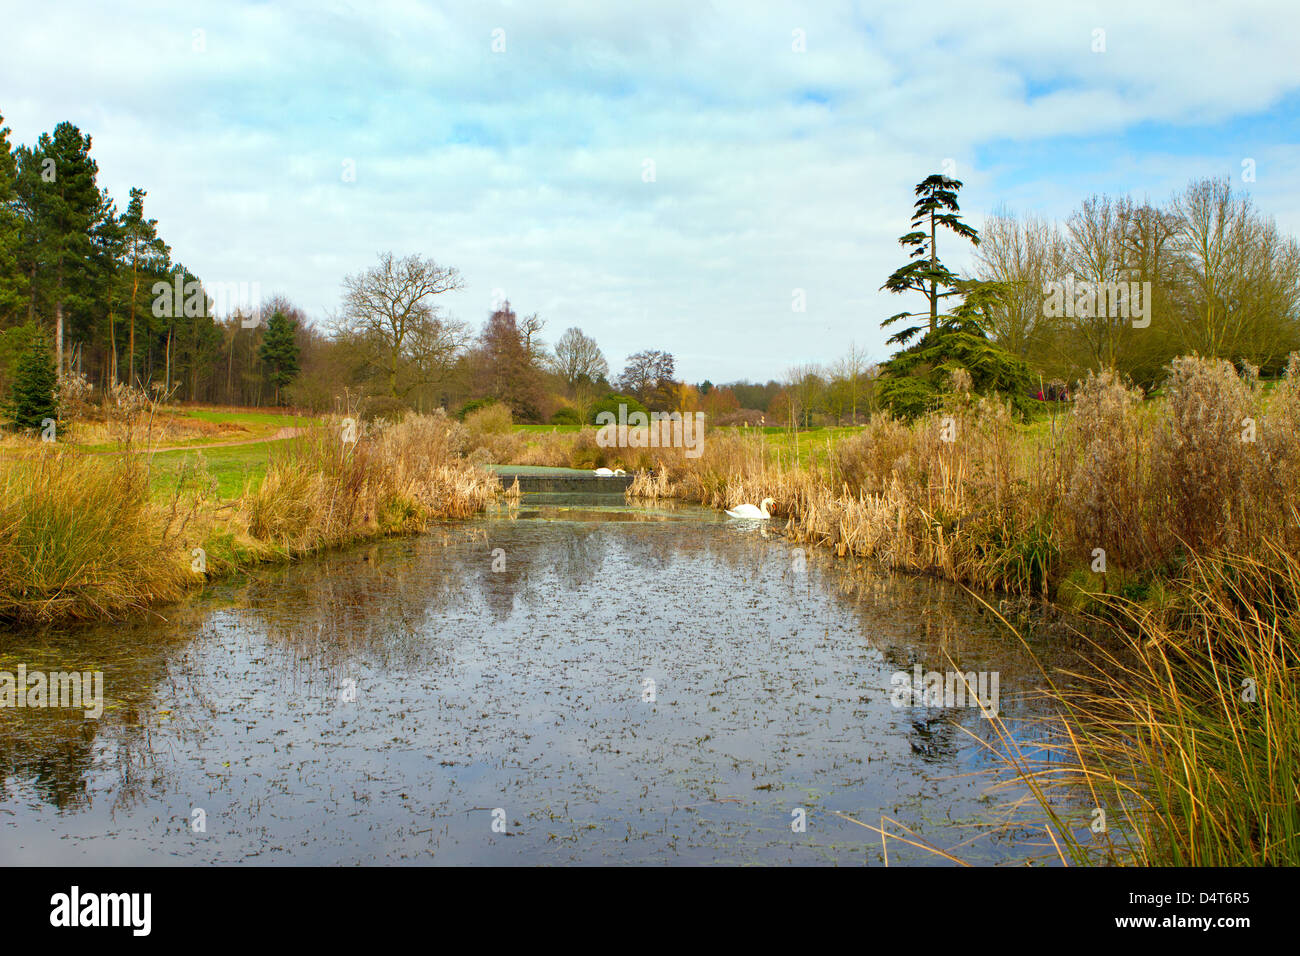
<point>749,511</point>
<point>606,473</point>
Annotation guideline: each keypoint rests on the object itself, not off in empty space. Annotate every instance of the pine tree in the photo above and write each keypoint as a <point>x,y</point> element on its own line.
<point>936,206</point>
<point>57,191</point>
<point>13,284</point>
<point>280,352</point>
<point>149,257</point>
<point>34,394</point>
<point>913,380</point>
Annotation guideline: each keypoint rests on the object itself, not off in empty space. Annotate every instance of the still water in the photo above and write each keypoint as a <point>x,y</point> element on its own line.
<point>604,683</point>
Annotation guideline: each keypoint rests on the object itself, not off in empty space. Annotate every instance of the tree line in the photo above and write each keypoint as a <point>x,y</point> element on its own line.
<point>1223,283</point>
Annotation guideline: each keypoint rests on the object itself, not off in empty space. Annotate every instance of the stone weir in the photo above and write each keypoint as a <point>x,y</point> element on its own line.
<point>553,481</point>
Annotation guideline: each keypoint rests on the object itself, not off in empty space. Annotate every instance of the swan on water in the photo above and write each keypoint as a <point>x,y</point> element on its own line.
<point>749,511</point>
<point>606,473</point>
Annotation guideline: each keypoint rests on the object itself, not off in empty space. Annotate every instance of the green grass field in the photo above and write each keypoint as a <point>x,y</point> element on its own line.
<point>232,466</point>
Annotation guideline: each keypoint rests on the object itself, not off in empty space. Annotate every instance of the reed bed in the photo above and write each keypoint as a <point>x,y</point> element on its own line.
<point>1173,526</point>
<point>325,489</point>
<point>79,538</point>
<point>1179,742</point>
<point>1114,499</point>
<point>84,537</point>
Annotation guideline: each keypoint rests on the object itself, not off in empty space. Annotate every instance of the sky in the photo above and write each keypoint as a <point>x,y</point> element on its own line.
<point>677,176</point>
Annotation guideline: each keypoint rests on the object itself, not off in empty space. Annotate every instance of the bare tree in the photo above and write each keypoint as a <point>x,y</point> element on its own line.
<point>1097,253</point>
<point>578,357</point>
<point>649,376</point>
<point>1238,279</point>
<point>849,384</point>
<point>389,314</point>
<point>1020,255</point>
<point>529,328</point>
<point>806,389</point>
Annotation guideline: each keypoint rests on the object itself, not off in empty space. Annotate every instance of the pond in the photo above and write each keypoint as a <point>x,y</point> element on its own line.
<point>576,680</point>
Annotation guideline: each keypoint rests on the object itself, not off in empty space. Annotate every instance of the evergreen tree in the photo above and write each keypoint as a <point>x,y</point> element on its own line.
<point>279,352</point>
<point>936,206</point>
<point>56,187</point>
<point>149,259</point>
<point>34,395</point>
<point>13,285</point>
<point>913,381</point>
<point>107,249</point>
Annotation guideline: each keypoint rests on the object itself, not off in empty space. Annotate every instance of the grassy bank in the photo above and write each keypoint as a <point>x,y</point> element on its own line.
<point>90,536</point>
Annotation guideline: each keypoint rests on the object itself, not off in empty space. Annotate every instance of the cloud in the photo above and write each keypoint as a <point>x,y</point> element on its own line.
<point>774,170</point>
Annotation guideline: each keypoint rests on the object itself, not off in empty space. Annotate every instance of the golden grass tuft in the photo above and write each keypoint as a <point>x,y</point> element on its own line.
<point>79,538</point>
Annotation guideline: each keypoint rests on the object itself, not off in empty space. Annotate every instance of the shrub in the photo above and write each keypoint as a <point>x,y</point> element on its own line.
<point>382,408</point>
<point>494,419</point>
<point>566,416</point>
<point>611,402</point>
<point>473,405</point>
<point>34,395</point>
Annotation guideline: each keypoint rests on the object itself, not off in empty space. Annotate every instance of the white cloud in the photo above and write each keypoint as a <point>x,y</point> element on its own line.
<point>775,169</point>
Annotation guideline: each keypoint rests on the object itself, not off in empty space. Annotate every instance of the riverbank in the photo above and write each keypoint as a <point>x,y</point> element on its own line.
<point>1171,527</point>
<point>86,537</point>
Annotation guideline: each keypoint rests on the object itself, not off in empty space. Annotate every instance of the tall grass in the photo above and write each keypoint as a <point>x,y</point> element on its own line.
<point>79,538</point>
<point>322,490</point>
<point>1117,496</point>
<point>1182,726</point>
<point>84,536</point>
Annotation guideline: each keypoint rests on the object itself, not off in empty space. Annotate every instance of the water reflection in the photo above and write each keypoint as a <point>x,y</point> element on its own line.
<point>648,684</point>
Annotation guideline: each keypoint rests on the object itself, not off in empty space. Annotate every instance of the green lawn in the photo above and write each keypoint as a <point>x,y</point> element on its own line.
<point>231,466</point>
<point>252,421</point>
<point>542,429</point>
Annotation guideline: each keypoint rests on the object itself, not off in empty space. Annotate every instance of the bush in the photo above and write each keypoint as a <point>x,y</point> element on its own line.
<point>566,416</point>
<point>494,419</point>
<point>611,402</point>
<point>382,408</point>
<point>33,398</point>
<point>473,405</point>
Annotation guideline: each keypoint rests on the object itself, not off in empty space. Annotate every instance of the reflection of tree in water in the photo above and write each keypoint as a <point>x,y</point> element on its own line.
<point>401,602</point>
<point>53,750</point>
<point>377,605</point>
<point>943,628</point>
<point>582,551</point>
